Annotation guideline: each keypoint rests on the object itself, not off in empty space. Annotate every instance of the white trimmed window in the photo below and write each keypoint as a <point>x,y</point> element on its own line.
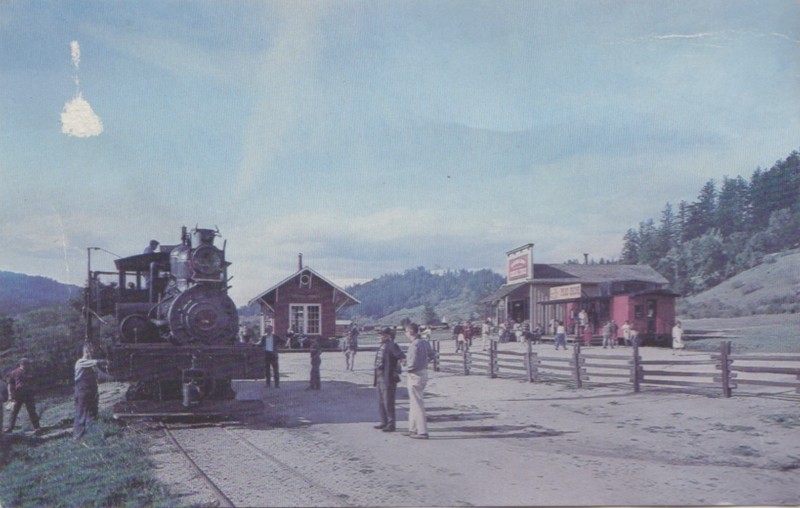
<point>305,319</point>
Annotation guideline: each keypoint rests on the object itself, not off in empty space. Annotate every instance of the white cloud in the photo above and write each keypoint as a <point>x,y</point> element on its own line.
<point>79,120</point>
<point>75,51</point>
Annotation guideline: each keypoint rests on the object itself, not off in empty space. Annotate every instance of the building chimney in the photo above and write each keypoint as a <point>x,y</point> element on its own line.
<point>585,258</point>
<point>299,261</point>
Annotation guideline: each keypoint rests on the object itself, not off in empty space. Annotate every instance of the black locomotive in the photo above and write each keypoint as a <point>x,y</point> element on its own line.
<point>177,327</point>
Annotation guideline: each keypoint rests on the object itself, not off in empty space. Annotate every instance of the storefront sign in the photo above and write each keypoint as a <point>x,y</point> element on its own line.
<point>518,267</point>
<point>569,292</point>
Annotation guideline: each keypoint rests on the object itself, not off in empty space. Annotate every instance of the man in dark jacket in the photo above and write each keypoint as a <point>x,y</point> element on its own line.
<point>386,378</point>
<point>21,390</point>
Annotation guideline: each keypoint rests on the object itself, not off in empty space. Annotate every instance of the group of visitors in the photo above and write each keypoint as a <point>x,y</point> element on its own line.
<point>19,388</point>
<point>388,366</point>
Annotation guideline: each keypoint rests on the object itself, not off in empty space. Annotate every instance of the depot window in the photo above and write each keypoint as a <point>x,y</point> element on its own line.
<point>305,319</point>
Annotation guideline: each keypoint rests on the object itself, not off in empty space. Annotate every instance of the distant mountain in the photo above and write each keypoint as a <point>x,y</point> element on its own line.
<point>773,287</point>
<point>21,293</point>
<point>422,296</point>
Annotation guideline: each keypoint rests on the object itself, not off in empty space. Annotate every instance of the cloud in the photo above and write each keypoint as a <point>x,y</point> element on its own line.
<point>75,51</point>
<point>79,120</point>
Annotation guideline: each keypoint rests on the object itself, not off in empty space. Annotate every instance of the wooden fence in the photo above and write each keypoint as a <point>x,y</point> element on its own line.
<point>722,371</point>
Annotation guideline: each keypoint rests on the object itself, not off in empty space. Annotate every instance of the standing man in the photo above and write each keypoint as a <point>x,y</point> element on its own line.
<point>20,390</point>
<point>86,394</point>
<point>677,338</point>
<point>351,348</point>
<point>3,400</point>
<point>561,335</point>
<point>608,340</point>
<point>386,378</point>
<point>582,320</point>
<point>417,374</point>
<point>270,343</point>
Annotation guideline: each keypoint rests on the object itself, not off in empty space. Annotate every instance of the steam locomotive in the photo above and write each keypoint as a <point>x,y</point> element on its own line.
<point>176,327</point>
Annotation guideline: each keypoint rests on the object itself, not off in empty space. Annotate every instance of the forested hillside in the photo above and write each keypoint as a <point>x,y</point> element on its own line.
<point>730,228</point>
<point>22,293</point>
<point>419,287</point>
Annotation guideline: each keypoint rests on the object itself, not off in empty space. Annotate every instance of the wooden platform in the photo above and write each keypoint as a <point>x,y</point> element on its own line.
<point>174,408</point>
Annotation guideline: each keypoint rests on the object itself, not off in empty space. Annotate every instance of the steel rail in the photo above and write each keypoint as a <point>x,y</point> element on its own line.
<point>221,497</point>
<point>332,495</point>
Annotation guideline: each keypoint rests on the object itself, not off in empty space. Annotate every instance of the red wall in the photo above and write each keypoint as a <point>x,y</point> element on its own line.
<point>292,293</point>
<point>623,309</point>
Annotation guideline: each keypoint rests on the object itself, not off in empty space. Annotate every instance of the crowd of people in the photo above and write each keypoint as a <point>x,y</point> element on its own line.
<point>18,388</point>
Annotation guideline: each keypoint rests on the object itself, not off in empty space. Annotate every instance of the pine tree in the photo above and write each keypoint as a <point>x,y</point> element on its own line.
<point>732,206</point>
<point>702,212</point>
<point>630,248</point>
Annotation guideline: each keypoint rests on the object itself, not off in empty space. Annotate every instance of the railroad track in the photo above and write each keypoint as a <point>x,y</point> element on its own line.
<point>263,468</point>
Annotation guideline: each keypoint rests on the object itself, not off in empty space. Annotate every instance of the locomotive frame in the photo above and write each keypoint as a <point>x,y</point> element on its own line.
<point>176,329</point>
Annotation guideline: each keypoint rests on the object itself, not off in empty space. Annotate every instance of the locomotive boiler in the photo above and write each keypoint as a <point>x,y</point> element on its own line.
<point>176,328</point>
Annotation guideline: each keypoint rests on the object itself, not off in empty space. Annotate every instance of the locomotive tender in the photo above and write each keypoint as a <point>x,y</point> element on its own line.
<point>176,327</point>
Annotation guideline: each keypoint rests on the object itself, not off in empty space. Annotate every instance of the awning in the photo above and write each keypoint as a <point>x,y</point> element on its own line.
<point>573,300</point>
<point>502,292</point>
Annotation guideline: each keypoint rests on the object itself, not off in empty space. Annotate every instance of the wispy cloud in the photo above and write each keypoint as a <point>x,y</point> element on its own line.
<point>78,119</point>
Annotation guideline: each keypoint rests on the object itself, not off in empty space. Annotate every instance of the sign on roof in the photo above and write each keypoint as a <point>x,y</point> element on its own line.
<point>520,264</point>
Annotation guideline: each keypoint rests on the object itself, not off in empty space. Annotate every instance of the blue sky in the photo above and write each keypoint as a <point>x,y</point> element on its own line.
<point>379,136</point>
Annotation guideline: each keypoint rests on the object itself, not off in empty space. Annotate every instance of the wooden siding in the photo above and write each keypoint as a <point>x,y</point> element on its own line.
<point>293,293</point>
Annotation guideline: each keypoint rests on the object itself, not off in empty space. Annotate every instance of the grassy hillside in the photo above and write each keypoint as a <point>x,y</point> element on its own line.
<point>454,295</point>
<point>21,293</point>
<point>772,287</point>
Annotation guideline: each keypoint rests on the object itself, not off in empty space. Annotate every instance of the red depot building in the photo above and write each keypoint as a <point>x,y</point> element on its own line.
<point>305,301</point>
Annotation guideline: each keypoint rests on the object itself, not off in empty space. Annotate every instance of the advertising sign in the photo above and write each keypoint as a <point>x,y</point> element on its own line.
<point>520,264</point>
<point>565,292</point>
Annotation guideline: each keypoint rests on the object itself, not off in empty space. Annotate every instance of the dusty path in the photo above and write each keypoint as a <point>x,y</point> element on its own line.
<point>495,442</point>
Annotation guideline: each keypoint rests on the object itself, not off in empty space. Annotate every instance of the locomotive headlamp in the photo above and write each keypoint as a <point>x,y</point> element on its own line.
<point>207,260</point>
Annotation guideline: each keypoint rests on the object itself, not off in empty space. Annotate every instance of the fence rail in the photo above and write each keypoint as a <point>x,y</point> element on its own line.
<point>721,371</point>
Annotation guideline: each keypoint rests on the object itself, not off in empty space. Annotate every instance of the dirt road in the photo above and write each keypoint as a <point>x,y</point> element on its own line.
<point>494,442</point>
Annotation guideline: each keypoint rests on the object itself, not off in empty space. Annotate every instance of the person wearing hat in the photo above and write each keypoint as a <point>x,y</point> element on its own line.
<point>86,393</point>
<point>20,391</point>
<point>419,353</point>
<point>387,375</point>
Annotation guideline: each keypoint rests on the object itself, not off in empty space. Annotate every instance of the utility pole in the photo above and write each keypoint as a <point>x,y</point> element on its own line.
<point>86,297</point>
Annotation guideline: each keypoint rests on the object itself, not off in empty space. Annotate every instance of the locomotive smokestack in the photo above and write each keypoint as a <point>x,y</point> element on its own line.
<point>585,258</point>
<point>299,261</point>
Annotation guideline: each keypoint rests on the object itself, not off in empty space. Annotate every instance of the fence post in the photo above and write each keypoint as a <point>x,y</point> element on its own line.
<point>436,345</point>
<point>576,357</point>
<point>495,365</point>
<point>467,360</point>
<point>635,368</point>
<point>725,350</point>
<point>492,354</point>
<point>528,362</point>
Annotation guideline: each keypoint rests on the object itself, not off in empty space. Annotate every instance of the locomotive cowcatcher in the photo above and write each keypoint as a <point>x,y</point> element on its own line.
<point>176,330</point>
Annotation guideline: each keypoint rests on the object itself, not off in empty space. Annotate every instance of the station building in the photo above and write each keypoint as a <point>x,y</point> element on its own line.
<point>305,301</point>
<point>543,294</point>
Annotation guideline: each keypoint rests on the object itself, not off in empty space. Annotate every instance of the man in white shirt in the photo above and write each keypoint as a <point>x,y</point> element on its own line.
<point>417,377</point>
<point>270,343</point>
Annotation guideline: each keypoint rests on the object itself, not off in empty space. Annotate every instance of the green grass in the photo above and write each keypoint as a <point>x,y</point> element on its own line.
<point>108,468</point>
